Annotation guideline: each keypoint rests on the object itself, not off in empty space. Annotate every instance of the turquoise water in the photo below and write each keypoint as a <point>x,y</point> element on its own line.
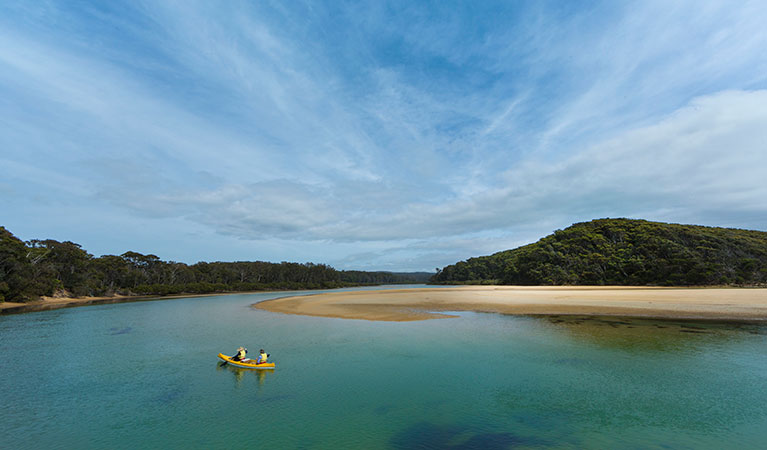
<point>145,375</point>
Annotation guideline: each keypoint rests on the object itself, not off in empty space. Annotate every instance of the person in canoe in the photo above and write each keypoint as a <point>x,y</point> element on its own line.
<point>262,357</point>
<point>240,356</point>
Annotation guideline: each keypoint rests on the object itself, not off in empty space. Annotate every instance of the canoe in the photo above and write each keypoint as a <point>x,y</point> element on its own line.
<point>245,365</point>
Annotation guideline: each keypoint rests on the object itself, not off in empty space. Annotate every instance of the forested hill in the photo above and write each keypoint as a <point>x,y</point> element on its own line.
<point>46,267</point>
<point>624,252</point>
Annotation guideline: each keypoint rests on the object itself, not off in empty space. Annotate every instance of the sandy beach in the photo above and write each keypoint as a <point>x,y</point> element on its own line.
<point>49,303</point>
<point>726,304</point>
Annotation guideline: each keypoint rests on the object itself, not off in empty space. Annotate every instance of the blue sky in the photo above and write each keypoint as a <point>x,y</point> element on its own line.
<point>375,135</point>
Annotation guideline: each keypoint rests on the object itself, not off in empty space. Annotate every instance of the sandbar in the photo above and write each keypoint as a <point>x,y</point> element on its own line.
<point>46,303</point>
<point>720,304</point>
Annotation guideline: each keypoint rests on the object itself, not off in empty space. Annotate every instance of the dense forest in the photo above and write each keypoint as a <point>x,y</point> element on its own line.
<point>35,268</point>
<point>624,252</point>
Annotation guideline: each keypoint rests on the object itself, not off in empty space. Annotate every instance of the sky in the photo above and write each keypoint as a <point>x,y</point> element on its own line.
<point>399,136</point>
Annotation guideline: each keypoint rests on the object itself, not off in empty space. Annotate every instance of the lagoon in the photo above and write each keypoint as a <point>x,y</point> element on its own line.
<point>145,375</point>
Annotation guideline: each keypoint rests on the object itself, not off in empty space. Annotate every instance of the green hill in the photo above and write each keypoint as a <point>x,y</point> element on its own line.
<point>624,252</point>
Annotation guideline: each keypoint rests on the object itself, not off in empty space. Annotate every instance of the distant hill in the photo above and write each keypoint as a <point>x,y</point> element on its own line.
<point>624,252</point>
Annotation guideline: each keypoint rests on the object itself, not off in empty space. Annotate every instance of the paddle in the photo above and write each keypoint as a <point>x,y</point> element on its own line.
<point>223,363</point>
<point>232,357</point>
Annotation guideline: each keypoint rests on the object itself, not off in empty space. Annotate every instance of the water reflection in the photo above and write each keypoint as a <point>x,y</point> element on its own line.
<point>610,372</point>
<point>241,374</point>
<point>653,335</point>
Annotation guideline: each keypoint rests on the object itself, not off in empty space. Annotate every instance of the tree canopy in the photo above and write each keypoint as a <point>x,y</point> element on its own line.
<point>624,252</point>
<point>35,268</point>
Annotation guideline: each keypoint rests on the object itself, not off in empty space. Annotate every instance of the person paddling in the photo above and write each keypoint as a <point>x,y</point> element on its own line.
<point>262,357</point>
<point>240,356</point>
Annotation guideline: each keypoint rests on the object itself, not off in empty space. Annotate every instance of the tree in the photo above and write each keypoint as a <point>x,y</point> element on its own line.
<point>67,261</point>
<point>624,252</point>
<point>111,273</point>
<point>15,269</point>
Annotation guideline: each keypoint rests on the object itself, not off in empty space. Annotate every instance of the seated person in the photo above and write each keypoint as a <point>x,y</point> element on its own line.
<point>240,356</point>
<point>262,357</point>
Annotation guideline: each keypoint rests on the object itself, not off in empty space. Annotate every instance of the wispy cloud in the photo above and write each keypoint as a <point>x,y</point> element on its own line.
<point>378,136</point>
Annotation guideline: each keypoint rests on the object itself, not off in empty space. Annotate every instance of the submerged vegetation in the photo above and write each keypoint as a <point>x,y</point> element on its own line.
<point>36,268</point>
<point>624,252</point>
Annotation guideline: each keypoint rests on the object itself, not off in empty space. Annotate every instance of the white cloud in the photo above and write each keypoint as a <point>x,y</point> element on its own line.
<point>381,133</point>
<point>707,155</point>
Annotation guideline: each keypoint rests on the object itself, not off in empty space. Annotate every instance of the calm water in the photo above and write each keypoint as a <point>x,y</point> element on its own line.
<point>146,375</point>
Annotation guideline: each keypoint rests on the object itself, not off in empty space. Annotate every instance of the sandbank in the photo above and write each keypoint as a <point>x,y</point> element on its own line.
<point>48,303</point>
<point>721,304</point>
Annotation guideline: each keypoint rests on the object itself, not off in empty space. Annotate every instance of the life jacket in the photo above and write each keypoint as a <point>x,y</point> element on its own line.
<point>262,358</point>
<point>241,354</point>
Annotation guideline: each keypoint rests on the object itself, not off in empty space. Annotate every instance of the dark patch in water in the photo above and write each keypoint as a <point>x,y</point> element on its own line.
<point>307,443</point>
<point>692,331</point>
<point>170,395</point>
<point>427,435</point>
<point>569,361</point>
<point>275,398</point>
<point>545,422</point>
<point>496,440</point>
<point>435,403</point>
<point>115,330</point>
<point>383,410</point>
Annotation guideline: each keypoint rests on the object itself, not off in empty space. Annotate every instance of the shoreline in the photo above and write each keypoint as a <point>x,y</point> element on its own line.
<point>741,305</point>
<point>51,303</point>
<point>745,305</point>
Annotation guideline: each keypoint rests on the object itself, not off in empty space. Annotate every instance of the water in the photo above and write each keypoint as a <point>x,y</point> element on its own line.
<point>145,375</point>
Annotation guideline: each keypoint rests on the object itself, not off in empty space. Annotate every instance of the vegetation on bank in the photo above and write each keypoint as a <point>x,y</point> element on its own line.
<point>624,252</point>
<point>36,268</point>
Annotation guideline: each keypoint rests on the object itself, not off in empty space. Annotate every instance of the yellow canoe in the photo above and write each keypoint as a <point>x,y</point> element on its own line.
<point>245,365</point>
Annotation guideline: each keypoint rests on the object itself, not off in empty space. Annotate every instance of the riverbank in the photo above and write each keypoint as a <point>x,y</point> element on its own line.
<point>725,304</point>
<point>49,303</point>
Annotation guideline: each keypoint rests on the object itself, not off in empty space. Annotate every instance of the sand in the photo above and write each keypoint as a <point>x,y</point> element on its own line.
<point>725,304</point>
<point>49,303</point>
